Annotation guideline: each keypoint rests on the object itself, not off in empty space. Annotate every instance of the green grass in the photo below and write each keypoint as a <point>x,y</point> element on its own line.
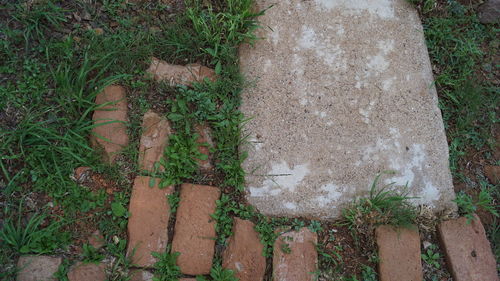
<point>31,237</point>
<point>217,273</point>
<point>384,205</point>
<point>431,256</point>
<point>456,42</point>
<point>462,52</point>
<point>166,267</point>
<point>49,79</point>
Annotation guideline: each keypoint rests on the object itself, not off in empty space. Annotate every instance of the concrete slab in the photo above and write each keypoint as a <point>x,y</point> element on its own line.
<point>343,90</point>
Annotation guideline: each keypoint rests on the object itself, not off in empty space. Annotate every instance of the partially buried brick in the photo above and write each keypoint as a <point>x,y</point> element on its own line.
<point>468,252</point>
<point>141,275</point>
<point>244,253</point>
<point>492,173</point>
<point>179,74</point>
<point>37,268</point>
<point>399,253</point>
<point>110,118</point>
<point>154,139</point>
<point>295,257</point>
<point>194,233</point>
<point>96,240</point>
<point>205,142</point>
<point>148,222</point>
<point>87,271</point>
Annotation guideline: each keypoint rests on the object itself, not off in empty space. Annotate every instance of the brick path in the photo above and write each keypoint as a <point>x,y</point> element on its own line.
<point>468,252</point>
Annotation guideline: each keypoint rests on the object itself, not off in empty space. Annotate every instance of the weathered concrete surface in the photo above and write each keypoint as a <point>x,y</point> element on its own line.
<point>343,90</point>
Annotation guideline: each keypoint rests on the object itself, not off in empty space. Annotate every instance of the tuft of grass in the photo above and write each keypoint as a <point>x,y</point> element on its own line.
<point>383,206</point>
<point>32,237</point>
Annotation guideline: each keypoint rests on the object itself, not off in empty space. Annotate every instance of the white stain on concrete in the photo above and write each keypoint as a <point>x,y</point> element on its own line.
<point>386,46</point>
<point>365,112</point>
<point>308,38</point>
<point>321,114</point>
<point>407,169</point>
<point>267,65</point>
<point>281,178</point>
<point>290,205</point>
<point>387,84</point>
<point>323,47</point>
<point>378,63</point>
<point>275,36</point>
<point>430,194</point>
<point>332,195</point>
<point>379,8</point>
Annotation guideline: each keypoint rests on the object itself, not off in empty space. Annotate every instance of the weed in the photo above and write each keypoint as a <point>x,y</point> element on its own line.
<point>285,247</point>
<point>166,267</point>
<point>219,33</point>
<point>62,271</point>
<point>217,273</point>
<point>431,256</point>
<point>39,18</point>
<point>120,261</point>
<point>454,38</point>
<point>173,201</point>
<point>382,206</point>
<point>31,238</point>
<point>315,226</point>
<point>226,209</point>
<point>180,159</point>
<point>368,274</point>
<point>425,6</point>
<point>91,254</point>
<point>494,235</point>
<point>468,207</point>
<point>267,229</point>
<point>327,258</point>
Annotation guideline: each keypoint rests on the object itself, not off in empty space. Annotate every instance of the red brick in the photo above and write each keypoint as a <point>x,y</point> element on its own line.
<point>110,137</point>
<point>194,233</point>
<point>96,239</point>
<point>82,173</point>
<point>468,252</point>
<point>141,275</point>
<point>87,271</point>
<point>492,173</point>
<point>148,222</point>
<point>37,268</point>
<point>154,139</point>
<point>302,260</point>
<point>206,140</point>
<point>399,253</point>
<point>244,253</point>
<point>178,74</point>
